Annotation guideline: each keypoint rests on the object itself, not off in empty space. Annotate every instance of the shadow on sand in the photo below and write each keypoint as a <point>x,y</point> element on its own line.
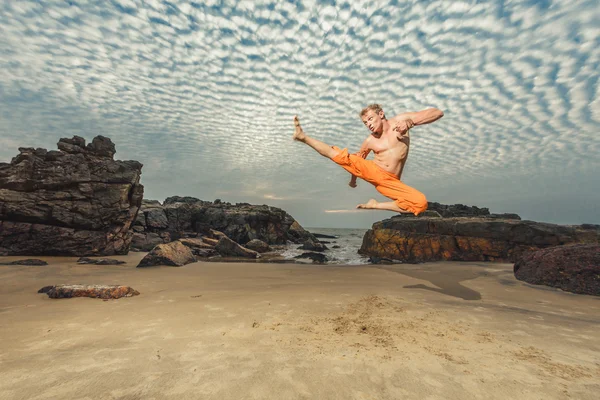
<point>448,280</point>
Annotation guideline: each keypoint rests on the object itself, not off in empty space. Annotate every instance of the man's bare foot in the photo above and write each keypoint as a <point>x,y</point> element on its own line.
<point>370,204</point>
<point>299,133</point>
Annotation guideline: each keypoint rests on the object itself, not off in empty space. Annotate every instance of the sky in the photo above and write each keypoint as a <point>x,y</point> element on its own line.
<point>203,94</point>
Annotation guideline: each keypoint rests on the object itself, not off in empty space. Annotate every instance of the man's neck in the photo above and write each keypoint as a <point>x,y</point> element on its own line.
<point>385,126</point>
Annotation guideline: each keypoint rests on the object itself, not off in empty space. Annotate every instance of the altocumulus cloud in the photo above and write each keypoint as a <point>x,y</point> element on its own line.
<point>203,94</point>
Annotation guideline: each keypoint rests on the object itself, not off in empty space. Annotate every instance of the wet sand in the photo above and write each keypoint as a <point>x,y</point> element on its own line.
<point>287,331</point>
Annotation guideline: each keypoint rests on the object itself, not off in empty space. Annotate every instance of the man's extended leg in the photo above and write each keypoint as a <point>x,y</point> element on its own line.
<point>322,148</point>
<point>389,205</point>
<point>406,199</point>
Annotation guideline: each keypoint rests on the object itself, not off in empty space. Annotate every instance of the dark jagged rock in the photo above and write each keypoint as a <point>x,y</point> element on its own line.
<point>227,247</point>
<point>75,202</point>
<point>381,260</point>
<point>315,257</point>
<point>420,239</point>
<point>504,216</point>
<point>258,246</point>
<point>437,210</point>
<point>573,268</point>
<point>93,291</point>
<point>322,236</point>
<point>174,254</point>
<point>29,261</point>
<point>312,245</point>
<point>99,261</point>
<point>242,222</point>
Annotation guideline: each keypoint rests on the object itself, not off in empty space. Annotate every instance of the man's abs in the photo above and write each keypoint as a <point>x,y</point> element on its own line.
<point>390,161</point>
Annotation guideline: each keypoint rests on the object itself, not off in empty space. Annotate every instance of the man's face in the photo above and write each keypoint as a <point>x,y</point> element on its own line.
<point>373,121</point>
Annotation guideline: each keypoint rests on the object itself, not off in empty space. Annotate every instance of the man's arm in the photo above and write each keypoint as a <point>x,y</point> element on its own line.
<point>363,152</point>
<point>403,122</point>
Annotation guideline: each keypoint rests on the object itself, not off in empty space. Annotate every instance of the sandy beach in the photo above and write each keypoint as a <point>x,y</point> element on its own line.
<point>286,331</point>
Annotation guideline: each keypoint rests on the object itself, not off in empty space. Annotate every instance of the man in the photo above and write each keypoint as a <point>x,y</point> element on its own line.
<point>389,140</point>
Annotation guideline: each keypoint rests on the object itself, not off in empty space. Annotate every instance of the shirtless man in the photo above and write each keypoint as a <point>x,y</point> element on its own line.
<point>389,140</point>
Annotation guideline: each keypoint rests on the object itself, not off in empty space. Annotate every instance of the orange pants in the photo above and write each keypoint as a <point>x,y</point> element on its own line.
<point>385,182</point>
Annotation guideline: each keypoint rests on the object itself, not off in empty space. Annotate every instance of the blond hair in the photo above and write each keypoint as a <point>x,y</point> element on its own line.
<point>372,107</point>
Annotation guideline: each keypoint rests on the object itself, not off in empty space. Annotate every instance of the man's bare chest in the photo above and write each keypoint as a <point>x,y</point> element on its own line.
<point>389,142</point>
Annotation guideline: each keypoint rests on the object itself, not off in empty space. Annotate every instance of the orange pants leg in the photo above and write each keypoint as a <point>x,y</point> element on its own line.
<point>406,197</point>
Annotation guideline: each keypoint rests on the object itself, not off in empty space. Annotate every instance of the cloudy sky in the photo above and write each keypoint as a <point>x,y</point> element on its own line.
<point>203,94</point>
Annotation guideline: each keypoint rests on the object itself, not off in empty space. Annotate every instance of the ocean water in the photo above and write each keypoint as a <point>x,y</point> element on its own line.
<point>348,240</point>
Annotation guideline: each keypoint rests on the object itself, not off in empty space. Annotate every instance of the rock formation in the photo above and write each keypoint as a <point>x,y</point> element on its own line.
<point>77,201</point>
<point>482,237</point>
<point>437,210</point>
<point>574,268</point>
<point>181,217</point>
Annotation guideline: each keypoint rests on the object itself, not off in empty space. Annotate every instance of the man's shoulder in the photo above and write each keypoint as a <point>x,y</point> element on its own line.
<point>395,118</point>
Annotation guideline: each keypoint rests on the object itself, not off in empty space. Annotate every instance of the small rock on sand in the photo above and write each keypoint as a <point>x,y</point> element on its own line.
<point>29,261</point>
<point>93,291</point>
<point>99,261</point>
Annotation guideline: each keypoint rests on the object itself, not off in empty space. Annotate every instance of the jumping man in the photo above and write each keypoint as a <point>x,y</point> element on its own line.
<point>390,141</point>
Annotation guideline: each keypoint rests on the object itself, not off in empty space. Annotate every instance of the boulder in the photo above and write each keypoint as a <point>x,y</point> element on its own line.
<point>94,291</point>
<point>228,248</point>
<point>419,239</point>
<point>315,257</point>
<point>572,268</point>
<point>174,254</point>
<point>257,245</point>
<point>99,261</point>
<point>313,245</point>
<point>74,202</point>
<point>29,261</point>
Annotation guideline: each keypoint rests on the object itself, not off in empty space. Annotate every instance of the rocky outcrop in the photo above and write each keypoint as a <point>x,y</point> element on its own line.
<point>77,201</point>
<point>420,239</point>
<point>437,210</point>
<point>181,217</point>
<point>174,254</point>
<point>94,291</point>
<point>574,268</point>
